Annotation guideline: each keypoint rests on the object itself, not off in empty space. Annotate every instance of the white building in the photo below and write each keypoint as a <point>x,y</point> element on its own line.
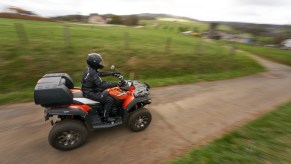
<point>96,19</point>
<point>286,43</point>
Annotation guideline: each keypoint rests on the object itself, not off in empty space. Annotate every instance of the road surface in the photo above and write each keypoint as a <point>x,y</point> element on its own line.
<point>184,116</point>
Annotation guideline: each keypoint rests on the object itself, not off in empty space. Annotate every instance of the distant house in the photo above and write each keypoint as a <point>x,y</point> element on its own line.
<point>230,37</point>
<point>239,38</point>
<point>15,10</point>
<point>17,13</point>
<point>96,19</point>
<point>286,43</point>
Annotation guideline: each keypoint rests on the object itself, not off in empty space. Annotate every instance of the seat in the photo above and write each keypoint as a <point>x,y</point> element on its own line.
<point>78,94</point>
<point>80,99</point>
<point>85,101</point>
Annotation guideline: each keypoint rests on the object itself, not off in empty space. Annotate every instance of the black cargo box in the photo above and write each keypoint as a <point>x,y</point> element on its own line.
<point>54,90</point>
<point>68,80</point>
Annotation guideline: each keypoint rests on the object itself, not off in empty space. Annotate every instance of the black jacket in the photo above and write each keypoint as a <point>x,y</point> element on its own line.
<point>92,83</point>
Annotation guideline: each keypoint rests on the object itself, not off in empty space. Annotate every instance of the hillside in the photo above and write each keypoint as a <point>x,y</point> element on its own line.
<point>267,30</point>
<point>157,56</point>
<point>165,16</point>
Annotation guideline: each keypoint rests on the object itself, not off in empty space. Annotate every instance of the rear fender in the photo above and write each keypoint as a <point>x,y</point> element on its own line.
<point>77,110</point>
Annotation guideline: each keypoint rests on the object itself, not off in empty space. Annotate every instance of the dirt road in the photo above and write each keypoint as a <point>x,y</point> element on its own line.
<point>183,117</point>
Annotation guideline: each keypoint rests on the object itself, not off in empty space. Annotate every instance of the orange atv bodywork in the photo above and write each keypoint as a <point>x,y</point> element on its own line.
<point>83,107</point>
<point>126,96</point>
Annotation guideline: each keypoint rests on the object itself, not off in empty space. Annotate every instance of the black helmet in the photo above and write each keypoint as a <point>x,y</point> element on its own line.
<point>95,61</point>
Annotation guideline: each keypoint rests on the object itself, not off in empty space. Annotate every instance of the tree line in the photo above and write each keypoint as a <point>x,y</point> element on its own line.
<point>130,20</point>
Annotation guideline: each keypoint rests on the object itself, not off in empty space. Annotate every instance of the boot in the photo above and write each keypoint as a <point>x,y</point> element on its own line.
<point>107,118</point>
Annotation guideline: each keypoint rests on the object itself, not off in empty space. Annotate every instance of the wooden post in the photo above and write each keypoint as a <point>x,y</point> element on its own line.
<point>67,38</point>
<point>212,30</point>
<point>132,63</point>
<point>199,47</point>
<point>126,40</point>
<point>21,33</point>
<point>232,49</point>
<point>131,75</point>
<point>168,45</point>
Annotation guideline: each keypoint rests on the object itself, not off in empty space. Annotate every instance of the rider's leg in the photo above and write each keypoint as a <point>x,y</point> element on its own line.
<point>108,102</point>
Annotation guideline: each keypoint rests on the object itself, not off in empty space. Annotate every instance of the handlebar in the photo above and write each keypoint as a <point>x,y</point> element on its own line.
<point>121,79</point>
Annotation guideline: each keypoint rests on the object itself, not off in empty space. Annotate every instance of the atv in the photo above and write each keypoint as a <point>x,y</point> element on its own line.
<point>73,116</point>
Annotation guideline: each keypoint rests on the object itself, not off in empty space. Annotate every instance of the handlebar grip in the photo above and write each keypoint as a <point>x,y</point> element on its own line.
<point>121,78</point>
<point>123,82</point>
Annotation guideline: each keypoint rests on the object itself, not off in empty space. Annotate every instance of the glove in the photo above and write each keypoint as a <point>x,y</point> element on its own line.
<point>123,83</point>
<point>116,74</point>
<point>119,84</point>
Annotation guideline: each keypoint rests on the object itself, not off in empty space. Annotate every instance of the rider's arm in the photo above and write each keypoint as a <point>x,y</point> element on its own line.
<point>102,84</point>
<point>103,74</point>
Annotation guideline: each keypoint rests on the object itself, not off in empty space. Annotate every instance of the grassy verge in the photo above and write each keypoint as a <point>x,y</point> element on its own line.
<point>159,57</point>
<point>16,97</point>
<point>265,140</point>
<point>278,55</point>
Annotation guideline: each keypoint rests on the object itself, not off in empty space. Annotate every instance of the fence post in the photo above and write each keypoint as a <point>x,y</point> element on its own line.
<point>132,75</point>
<point>199,47</point>
<point>126,40</point>
<point>21,33</point>
<point>132,63</point>
<point>67,38</point>
<point>168,45</point>
<point>232,49</point>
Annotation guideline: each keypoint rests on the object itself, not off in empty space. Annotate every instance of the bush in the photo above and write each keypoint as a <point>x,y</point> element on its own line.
<point>183,28</point>
<point>131,20</point>
<point>115,19</point>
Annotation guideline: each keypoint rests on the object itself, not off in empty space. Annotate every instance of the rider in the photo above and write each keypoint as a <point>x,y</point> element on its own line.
<point>94,87</point>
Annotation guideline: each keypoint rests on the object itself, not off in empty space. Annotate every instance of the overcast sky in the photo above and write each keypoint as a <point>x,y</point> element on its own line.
<point>254,11</point>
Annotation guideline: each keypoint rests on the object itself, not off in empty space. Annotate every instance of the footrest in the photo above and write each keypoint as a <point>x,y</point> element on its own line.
<point>108,125</point>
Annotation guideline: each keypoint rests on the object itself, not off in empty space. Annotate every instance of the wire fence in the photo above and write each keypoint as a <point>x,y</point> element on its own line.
<point>66,34</point>
<point>59,34</point>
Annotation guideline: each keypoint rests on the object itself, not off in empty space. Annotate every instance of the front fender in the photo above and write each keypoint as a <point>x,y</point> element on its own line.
<point>143,100</point>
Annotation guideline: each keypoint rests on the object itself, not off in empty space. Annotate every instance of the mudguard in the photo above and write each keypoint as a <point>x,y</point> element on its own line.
<point>65,111</point>
<point>144,100</point>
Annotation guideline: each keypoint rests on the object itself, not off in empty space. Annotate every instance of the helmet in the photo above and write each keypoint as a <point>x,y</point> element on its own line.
<point>95,61</point>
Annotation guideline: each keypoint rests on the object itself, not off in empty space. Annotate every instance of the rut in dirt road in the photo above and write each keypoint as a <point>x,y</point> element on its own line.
<point>183,116</point>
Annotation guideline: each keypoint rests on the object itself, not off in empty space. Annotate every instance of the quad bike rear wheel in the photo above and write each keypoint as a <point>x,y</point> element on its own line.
<point>139,120</point>
<point>68,134</point>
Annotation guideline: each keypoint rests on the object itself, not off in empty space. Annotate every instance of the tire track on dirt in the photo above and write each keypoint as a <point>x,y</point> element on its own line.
<point>171,127</point>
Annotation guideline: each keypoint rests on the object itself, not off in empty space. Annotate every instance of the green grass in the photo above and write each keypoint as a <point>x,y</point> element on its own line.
<point>264,39</point>
<point>173,25</point>
<point>189,59</point>
<point>265,140</point>
<point>174,20</point>
<point>278,55</point>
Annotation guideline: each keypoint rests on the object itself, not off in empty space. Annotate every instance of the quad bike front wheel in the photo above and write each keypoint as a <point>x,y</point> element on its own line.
<point>139,120</point>
<point>68,134</point>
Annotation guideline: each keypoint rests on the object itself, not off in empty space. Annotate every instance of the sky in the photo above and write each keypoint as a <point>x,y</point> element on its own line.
<point>252,11</point>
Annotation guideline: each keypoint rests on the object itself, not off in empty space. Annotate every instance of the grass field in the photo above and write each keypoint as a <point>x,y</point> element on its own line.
<point>174,25</point>
<point>265,140</point>
<point>278,55</point>
<point>187,59</point>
